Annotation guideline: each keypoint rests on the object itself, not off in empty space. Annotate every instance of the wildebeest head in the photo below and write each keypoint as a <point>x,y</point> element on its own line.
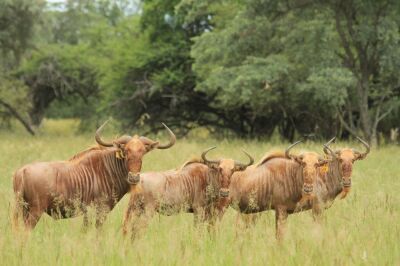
<point>132,150</point>
<point>310,162</point>
<point>346,157</point>
<point>225,169</point>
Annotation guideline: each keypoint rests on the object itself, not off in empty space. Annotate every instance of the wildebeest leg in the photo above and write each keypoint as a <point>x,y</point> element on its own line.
<point>210,219</point>
<point>198,216</point>
<point>138,221</point>
<point>303,201</point>
<point>280,222</point>
<point>132,215</point>
<point>132,205</point>
<point>240,220</point>
<point>19,212</point>
<point>101,214</point>
<point>85,218</point>
<point>316,210</point>
<point>127,219</point>
<point>250,219</point>
<point>221,207</point>
<point>33,215</point>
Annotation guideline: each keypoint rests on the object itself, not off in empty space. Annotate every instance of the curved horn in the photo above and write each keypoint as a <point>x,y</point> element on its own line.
<point>123,139</point>
<point>203,156</point>
<point>98,138</point>
<point>327,145</point>
<point>147,140</point>
<point>289,148</point>
<point>367,148</point>
<point>172,139</point>
<point>326,148</point>
<point>240,164</point>
<point>332,153</point>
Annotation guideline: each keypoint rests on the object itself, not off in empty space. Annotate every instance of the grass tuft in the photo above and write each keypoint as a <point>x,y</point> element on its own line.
<point>362,229</point>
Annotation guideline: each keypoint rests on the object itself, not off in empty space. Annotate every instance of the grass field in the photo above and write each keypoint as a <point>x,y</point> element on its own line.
<point>363,229</point>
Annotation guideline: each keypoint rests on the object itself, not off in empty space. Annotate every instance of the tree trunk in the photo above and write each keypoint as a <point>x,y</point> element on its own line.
<point>366,123</point>
<point>14,113</point>
<point>374,138</point>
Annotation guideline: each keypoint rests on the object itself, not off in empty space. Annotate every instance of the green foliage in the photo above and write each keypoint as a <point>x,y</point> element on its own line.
<point>329,86</point>
<point>248,67</point>
<point>58,72</point>
<point>17,21</point>
<point>14,100</point>
<point>309,53</point>
<point>151,78</point>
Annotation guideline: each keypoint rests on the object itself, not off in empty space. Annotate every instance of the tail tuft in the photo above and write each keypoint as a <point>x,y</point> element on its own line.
<point>19,208</point>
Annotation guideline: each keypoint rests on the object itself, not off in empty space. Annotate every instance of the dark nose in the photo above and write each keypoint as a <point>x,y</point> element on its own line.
<point>307,188</point>
<point>223,192</point>
<point>346,182</point>
<point>133,178</point>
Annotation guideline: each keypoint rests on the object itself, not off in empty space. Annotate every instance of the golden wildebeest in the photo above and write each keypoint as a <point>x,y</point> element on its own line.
<point>343,161</point>
<point>197,187</point>
<point>281,182</point>
<point>100,176</point>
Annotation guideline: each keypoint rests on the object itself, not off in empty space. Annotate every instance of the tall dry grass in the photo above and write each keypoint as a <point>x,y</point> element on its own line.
<point>363,229</point>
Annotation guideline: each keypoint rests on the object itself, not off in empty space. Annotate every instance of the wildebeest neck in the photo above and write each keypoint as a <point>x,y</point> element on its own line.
<point>333,179</point>
<point>100,172</point>
<point>213,183</point>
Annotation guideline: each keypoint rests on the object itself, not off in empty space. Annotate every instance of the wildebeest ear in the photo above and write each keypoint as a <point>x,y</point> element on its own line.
<point>359,156</point>
<point>240,168</point>
<point>322,163</point>
<point>211,165</point>
<point>297,159</point>
<point>152,145</point>
<point>118,145</point>
<point>120,153</point>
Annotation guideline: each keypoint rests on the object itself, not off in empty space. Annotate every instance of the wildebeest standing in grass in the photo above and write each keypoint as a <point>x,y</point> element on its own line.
<point>98,176</point>
<point>198,187</point>
<point>278,183</point>
<point>343,161</point>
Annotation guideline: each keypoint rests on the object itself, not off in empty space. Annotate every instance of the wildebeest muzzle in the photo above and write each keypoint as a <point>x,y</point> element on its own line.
<point>346,182</point>
<point>133,178</point>
<point>308,188</point>
<point>224,192</point>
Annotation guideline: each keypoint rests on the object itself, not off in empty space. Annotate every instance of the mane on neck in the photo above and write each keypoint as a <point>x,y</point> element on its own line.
<point>83,154</point>
<point>191,161</point>
<point>334,169</point>
<point>269,156</point>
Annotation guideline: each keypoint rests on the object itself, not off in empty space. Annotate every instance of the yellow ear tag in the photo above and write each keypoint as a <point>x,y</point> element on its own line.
<point>119,154</point>
<point>324,169</point>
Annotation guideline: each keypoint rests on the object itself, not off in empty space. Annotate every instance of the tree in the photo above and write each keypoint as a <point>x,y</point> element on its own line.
<point>370,49</point>
<point>17,26</point>
<point>307,65</point>
<point>70,54</point>
<point>152,78</point>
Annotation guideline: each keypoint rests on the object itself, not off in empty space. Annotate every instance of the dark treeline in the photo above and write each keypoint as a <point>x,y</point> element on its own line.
<point>251,68</point>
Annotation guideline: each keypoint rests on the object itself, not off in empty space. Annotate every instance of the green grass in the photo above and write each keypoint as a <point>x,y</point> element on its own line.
<point>363,229</point>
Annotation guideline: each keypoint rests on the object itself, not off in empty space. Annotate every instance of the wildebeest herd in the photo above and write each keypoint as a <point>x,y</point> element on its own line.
<point>101,175</point>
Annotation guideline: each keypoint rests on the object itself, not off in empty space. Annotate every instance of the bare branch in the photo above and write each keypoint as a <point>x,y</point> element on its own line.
<point>346,125</point>
<point>15,113</point>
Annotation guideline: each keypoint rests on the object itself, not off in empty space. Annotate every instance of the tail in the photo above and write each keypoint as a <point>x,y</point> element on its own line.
<point>19,210</point>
